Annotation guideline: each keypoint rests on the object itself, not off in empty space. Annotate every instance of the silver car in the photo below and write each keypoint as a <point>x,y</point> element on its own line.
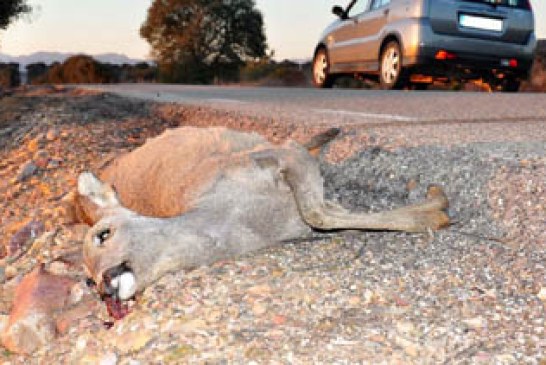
<point>415,42</point>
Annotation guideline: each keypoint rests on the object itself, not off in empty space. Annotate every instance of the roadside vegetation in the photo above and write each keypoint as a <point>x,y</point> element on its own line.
<point>82,69</point>
<point>203,41</point>
<point>10,10</point>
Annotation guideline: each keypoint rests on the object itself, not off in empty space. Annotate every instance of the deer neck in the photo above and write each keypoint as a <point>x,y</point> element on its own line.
<point>181,243</point>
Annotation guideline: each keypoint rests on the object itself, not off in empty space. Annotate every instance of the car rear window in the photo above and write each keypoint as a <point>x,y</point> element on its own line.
<point>520,4</point>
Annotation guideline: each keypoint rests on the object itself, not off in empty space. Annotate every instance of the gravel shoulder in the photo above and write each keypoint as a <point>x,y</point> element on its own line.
<point>474,293</point>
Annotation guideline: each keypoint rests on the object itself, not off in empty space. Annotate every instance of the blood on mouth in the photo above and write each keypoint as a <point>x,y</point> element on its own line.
<point>116,308</point>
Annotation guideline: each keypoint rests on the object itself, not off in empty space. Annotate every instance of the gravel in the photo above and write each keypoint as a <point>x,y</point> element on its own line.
<point>470,294</point>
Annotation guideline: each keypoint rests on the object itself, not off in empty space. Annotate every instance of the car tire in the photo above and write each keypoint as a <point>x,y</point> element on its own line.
<point>391,72</point>
<point>321,70</point>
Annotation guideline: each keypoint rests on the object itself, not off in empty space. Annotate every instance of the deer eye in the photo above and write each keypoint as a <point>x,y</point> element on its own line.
<point>101,237</point>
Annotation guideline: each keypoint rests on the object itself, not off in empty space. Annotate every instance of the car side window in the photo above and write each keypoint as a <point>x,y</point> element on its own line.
<point>359,7</point>
<point>379,3</point>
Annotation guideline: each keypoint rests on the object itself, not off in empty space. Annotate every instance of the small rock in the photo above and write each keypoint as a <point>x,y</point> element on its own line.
<point>181,326</point>
<point>259,309</point>
<point>26,171</point>
<point>132,341</point>
<point>29,334</point>
<point>24,237</point>
<point>46,239</point>
<point>3,322</point>
<point>490,293</point>
<point>542,294</point>
<point>475,323</point>
<point>412,185</point>
<point>89,359</point>
<point>2,274</point>
<point>77,292</point>
<point>507,359</point>
<point>177,355</point>
<point>410,348</point>
<point>31,324</point>
<point>109,359</point>
<point>377,338</point>
<point>368,296</point>
<point>406,329</point>
<point>33,145</point>
<point>233,311</point>
<point>41,159</point>
<point>54,163</point>
<point>52,135</point>
<point>354,301</point>
<point>81,343</point>
<point>213,316</point>
<point>260,290</point>
<point>58,268</point>
<point>10,272</point>
<point>279,319</point>
<point>8,293</point>
<point>67,319</point>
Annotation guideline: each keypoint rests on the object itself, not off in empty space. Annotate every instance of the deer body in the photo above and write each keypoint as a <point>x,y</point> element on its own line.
<point>194,196</point>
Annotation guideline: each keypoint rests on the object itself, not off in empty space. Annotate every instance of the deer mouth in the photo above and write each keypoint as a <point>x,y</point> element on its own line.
<point>117,288</point>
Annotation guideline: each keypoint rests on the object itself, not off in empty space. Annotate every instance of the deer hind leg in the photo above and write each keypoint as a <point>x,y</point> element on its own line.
<point>302,174</point>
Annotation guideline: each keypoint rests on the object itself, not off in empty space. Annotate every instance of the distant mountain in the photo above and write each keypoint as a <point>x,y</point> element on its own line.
<point>50,57</point>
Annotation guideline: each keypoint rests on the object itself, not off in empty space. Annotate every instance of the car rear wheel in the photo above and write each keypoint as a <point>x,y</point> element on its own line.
<point>321,70</point>
<point>391,73</point>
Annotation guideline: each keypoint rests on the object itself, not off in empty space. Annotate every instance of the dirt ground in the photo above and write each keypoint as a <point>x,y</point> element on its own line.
<point>471,294</point>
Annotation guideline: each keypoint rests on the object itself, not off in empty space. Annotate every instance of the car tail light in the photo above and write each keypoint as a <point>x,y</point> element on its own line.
<point>443,55</point>
<point>512,62</point>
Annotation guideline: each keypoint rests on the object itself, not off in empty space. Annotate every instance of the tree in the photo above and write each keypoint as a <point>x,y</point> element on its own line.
<point>9,75</point>
<point>36,72</point>
<point>10,10</point>
<point>203,40</point>
<point>83,69</point>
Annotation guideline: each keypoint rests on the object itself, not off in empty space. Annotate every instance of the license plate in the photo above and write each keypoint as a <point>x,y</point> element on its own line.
<point>480,22</point>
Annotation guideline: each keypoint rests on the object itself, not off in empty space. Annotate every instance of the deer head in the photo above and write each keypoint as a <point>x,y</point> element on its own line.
<point>115,252</point>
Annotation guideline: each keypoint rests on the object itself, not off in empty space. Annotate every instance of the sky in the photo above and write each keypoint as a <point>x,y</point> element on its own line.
<point>104,26</point>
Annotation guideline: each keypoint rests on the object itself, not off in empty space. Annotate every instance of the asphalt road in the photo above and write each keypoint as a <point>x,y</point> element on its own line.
<point>349,107</point>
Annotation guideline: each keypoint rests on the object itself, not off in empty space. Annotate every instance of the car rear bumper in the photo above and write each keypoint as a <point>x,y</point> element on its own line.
<point>473,54</point>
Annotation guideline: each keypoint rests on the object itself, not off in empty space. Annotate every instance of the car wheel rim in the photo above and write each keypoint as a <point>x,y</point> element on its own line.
<point>390,65</point>
<point>320,67</point>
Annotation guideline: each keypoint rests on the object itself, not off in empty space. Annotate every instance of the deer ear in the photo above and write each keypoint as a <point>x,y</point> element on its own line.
<point>101,194</point>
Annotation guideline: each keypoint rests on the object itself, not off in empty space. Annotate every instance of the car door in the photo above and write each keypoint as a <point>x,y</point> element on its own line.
<point>369,30</point>
<point>357,41</point>
<point>341,41</point>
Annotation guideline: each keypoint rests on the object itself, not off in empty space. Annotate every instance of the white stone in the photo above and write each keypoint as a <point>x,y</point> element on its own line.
<point>109,359</point>
<point>542,294</point>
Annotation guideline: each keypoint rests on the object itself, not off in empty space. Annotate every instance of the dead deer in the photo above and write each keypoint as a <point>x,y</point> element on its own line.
<point>193,196</point>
